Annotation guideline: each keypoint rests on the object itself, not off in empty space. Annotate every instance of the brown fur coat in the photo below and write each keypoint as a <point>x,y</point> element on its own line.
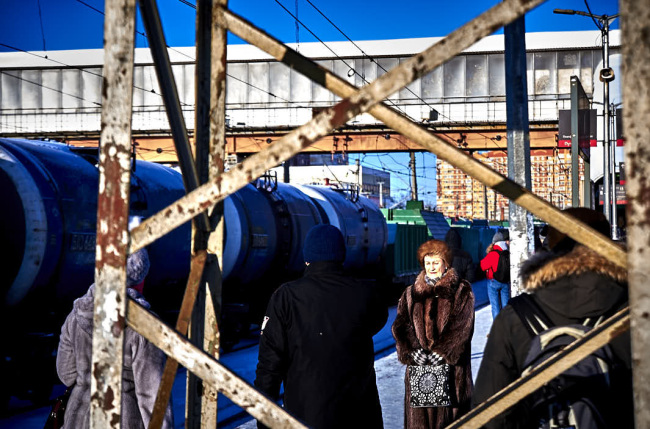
<point>439,319</point>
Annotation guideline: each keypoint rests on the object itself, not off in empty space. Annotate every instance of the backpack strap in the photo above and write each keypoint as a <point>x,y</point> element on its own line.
<point>531,314</point>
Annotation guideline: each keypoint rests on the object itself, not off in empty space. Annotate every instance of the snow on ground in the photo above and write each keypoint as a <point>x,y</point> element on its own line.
<point>390,374</point>
<point>390,377</point>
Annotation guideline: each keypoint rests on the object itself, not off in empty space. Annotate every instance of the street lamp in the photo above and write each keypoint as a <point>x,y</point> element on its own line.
<point>606,76</point>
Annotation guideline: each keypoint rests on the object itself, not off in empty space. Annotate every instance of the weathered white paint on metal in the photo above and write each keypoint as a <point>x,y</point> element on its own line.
<point>109,319</point>
<point>635,26</point>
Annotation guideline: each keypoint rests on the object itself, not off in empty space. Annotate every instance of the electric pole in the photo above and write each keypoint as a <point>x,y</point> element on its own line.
<point>606,76</point>
<point>414,182</point>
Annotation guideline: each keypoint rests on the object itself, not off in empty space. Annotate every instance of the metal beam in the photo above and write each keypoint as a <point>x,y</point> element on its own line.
<point>521,222</point>
<point>109,319</point>
<point>175,214</point>
<point>546,371</point>
<point>359,141</point>
<point>209,369</point>
<point>199,412</point>
<point>575,143</point>
<point>635,29</point>
<point>182,323</point>
<point>169,92</point>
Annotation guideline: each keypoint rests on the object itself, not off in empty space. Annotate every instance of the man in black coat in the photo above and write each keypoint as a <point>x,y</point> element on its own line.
<point>570,283</point>
<point>317,339</point>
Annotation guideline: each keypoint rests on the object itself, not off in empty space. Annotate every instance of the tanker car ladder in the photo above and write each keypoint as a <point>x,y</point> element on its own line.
<point>209,186</point>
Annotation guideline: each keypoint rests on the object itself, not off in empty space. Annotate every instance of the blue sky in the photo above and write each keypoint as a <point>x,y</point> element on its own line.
<point>78,24</point>
<point>75,24</point>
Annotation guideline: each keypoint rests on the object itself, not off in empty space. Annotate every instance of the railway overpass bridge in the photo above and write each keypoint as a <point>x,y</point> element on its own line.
<point>58,95</point>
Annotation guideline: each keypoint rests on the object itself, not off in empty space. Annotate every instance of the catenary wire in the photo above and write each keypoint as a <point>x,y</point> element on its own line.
<point>337,56</point>
<point>193,59</point>
<point>451,139</point>
<point>592,18</point>
<point>82,69</point>
<point>380,66</point>
<point>40,18</point>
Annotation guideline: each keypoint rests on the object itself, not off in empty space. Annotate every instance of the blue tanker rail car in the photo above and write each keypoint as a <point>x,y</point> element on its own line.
<point>49,221</point>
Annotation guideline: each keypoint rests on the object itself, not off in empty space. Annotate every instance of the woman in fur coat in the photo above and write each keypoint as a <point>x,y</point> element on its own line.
<point>142,366</point>
<point>434,325</point>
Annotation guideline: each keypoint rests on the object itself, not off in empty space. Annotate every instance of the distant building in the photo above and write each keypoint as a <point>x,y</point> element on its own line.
<point>318,171</point>
<point>459,195</point>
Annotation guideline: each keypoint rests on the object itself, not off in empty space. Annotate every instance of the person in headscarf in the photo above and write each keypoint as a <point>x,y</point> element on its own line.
<point>142,366</point>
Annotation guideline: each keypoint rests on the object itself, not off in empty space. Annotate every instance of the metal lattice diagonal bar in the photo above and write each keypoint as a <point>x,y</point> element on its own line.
<point>182,323</point>
<point>209,369</point>
<point>575,229</point>
<point>542,374</point>
<point>109,317</point>
<point>216,190</point>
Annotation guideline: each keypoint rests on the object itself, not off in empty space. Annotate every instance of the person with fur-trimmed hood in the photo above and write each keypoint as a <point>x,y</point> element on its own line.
<point>141,369</point>
<point>435,320</point>
<point>570,283</point>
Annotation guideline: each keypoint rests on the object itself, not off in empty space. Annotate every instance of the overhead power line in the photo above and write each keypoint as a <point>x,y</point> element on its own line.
<point>40,17</point>
<point>193,59</point>
<point>373,60</point>
<point>82,69</point>
<point>363,78</point>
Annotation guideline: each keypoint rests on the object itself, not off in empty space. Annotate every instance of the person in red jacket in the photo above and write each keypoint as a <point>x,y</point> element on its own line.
<point>498,292</point>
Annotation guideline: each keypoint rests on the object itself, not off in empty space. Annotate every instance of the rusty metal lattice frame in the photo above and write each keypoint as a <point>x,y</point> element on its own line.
<point>354,102</point>
<point>635,29</point>
<point>363,100</point>
<point>109,315</point>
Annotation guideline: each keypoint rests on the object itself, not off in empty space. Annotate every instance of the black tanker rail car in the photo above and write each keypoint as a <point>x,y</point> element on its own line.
<point>49,221</point>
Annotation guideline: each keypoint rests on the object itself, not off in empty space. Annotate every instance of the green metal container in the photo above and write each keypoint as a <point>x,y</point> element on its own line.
<point>402,247</point>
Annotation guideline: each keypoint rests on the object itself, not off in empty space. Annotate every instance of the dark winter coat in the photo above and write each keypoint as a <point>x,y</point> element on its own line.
<point>317,340</point>
<point>461,261</point>
<point>141,372</point>
<point>569,289</point>
<point>439,319</point>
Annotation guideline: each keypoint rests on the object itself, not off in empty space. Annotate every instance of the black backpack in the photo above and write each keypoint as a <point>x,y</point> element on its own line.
<point>579,398</point>
<point>502,273</point>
